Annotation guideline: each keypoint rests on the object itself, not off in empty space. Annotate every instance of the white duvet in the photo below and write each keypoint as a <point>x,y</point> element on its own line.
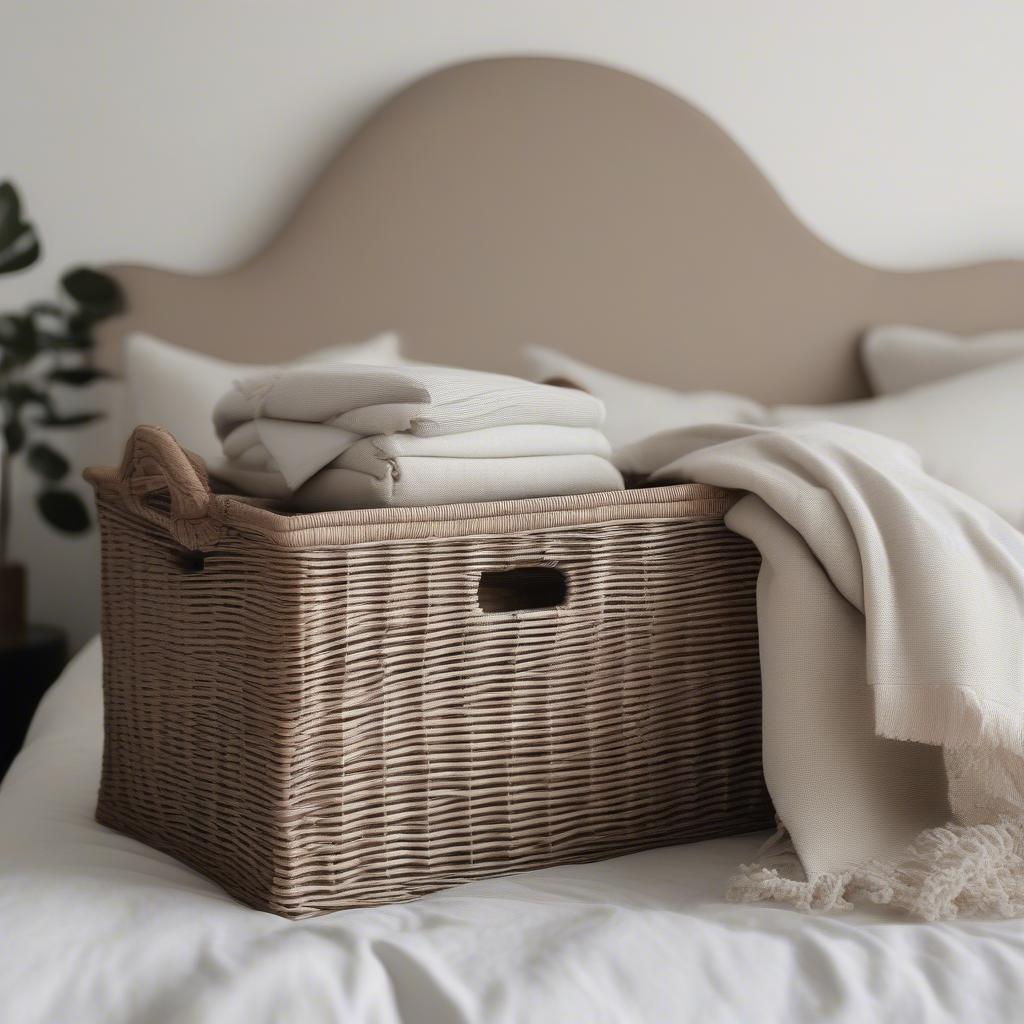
<point>95,927</point>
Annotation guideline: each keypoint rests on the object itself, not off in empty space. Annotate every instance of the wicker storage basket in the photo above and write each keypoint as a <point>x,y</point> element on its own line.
<point>349,708</point>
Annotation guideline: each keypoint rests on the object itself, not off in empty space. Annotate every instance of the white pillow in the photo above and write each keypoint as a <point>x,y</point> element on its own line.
<point>967,430</point>
<point>635,410</point>
<point>898,357</point>
<point>177,388</point>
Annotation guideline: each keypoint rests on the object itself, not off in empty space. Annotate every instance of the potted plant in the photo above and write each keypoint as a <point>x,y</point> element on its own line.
<point>46,344</point>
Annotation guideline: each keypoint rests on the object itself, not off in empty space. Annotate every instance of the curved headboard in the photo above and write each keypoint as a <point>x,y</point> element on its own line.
<point>518,200</point>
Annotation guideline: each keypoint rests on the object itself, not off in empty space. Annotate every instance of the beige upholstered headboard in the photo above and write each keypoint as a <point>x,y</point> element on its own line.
<point>522,200</point>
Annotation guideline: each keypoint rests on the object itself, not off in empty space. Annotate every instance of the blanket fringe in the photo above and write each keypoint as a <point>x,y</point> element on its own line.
<point>949,872</point>
<point>956,717</point>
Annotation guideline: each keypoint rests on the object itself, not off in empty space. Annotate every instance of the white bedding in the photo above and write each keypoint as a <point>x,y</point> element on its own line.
<point>95,927</point>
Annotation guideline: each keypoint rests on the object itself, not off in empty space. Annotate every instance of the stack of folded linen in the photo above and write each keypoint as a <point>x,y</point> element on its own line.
<point>377,436</point>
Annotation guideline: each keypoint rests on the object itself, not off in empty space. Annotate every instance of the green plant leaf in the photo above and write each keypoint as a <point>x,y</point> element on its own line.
<point>18,338</point>
<point>77,333</point>
<point>18,393</point>
<point>64,509</point>
<point>14,435</point>
<point>98,294</point>
<point>19,245</point>
<point>76,376</point>
<point>21,253</point>
<point>47,462</point>
<point>10,213</point>
<point>75,419</point>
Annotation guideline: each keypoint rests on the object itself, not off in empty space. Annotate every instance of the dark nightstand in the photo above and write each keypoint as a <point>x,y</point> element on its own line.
<point>29,663</point>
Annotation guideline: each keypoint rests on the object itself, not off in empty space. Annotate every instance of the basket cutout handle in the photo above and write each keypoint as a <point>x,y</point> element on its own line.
<point>154,462</point>
<point>528,588</point>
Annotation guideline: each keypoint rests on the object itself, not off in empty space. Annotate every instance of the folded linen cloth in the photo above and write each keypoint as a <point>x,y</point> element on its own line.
<point>359,436</point>
<point>890,611</point>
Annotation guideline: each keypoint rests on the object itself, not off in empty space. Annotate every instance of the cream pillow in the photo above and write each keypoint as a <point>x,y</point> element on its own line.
<point>967,430</point>
<point>635,410</point>
<point>177,388</point>
<point>898,357</point>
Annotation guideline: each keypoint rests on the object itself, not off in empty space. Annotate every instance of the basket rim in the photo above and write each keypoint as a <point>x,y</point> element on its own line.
<point>155,462</point>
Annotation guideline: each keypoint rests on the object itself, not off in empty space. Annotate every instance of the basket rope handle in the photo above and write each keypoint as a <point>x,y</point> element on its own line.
<point>153,461</point>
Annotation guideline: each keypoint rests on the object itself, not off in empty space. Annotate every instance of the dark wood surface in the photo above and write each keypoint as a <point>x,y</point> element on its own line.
<point>29,663</point>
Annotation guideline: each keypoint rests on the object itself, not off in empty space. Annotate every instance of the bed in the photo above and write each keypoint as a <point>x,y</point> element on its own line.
<point>489,204</point>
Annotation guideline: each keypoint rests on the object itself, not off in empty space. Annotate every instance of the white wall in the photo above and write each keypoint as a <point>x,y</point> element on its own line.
<point>177,133</point>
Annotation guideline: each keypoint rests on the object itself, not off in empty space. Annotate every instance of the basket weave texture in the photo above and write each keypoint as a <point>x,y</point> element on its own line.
<point>345,709</point>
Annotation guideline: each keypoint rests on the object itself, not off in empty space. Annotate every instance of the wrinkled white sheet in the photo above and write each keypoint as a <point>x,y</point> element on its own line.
<point>95,927</point>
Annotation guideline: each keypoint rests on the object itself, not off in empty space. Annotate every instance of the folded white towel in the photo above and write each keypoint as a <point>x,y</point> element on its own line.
<point>367,436</point>
<point>433,482</point>
<point>423,400</point>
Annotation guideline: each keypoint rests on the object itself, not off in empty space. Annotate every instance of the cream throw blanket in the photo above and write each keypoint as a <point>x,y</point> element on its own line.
<point>362,436</point>
<point>891,614</point>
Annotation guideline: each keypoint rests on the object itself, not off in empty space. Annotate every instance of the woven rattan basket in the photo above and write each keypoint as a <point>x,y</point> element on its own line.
<point>349,708</point>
